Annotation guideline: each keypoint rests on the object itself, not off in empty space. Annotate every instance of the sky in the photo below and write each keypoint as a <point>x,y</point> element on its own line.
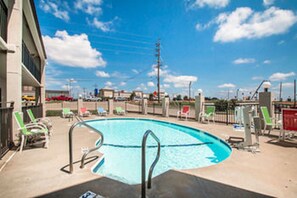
<point>223,47</point>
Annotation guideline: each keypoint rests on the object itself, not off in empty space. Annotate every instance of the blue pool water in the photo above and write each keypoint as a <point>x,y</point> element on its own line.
<point>181,148</point>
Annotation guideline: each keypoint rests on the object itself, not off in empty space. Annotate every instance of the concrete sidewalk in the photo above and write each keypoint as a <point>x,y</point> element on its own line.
<point>43,172</point>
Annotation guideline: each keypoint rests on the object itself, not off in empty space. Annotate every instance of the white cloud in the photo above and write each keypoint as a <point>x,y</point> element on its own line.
<point>73,51</point>
<point>245,23</point>
<point>135,71</point>
<point>102,74</point>
<point>244,61</point>
<point>227,85</point>
<point>154,72</point>
<point>180,81</point>
<point>103,26</point>
<point>55,8</point>
<point>150,84</point>
<point>281,42</point>
<point>91,7</point>
<point>108,84</point>
<point>281,76</point>
<point>288,85</point>
<point>257,78</point>
<point>266,61</point>
<point>166,85</point>
<point>268,2</point>
<point>210,3</point>
<point>122,83</point>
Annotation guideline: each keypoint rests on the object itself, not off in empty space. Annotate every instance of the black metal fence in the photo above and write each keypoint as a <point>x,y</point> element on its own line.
<point>36,109</point>
<point>5,129</point>
<point>29,62</point>
<point>3,21</point>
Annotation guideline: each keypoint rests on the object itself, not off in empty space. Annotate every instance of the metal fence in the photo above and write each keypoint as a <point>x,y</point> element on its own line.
<point>3,21</point>
<point>36,109</point>
<point>5,129</point>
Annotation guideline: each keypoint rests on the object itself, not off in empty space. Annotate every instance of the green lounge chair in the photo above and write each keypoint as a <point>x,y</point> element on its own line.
<point>30,130</point>
<point>66,113</point>
<point>268,121</point>
<point>43,121</point>
<point>120,111</point>
<point>208,114</point>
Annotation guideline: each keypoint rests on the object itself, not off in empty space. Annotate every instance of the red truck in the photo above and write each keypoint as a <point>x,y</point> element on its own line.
<point>62,98</point>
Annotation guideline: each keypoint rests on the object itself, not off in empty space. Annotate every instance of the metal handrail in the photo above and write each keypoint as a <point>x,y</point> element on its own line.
<point>82,122</point>
<point>146,134</point>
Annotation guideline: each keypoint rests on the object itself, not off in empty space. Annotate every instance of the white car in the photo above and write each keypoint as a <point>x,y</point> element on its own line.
<point>94,99</point>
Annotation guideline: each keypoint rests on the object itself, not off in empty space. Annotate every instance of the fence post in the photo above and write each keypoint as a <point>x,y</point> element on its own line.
<point>110,106</point>
<point>227,113</point>
<point>144,106</point>
<point>199,100</point>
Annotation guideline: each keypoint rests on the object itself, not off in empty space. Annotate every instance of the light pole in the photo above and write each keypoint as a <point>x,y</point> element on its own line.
<point>190,89</point>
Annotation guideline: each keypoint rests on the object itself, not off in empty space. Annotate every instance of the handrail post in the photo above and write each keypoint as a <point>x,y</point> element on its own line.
<point>146,134</point>
<point>81,122</point>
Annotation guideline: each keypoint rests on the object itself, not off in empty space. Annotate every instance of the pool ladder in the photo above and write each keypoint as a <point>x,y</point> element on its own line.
<point>143,159</point>
<point>98,145</point>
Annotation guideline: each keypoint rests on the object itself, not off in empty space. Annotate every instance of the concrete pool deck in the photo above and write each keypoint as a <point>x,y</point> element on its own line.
<point>43,172</point>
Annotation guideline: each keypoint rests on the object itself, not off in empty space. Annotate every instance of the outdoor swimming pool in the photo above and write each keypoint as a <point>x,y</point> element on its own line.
<point>181,148</point>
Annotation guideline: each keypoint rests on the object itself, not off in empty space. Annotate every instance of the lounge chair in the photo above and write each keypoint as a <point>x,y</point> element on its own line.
<point>66,113</point>
<point>30,130</point>
<point>101,111</point>
<point>84,112</point>
<point>46,122</point>
<point>208,114</point>
<point>268,121</point>
<point>120,111</point>
<point>184,112</point>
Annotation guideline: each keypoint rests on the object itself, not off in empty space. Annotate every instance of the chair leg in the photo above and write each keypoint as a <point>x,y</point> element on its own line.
<point>46,145</point>
<point>22,142</point>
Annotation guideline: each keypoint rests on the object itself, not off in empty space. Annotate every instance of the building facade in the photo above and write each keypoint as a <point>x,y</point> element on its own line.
<point>22,53</point>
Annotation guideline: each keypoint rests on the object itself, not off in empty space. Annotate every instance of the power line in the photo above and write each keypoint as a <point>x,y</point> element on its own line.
<point>103,36</point>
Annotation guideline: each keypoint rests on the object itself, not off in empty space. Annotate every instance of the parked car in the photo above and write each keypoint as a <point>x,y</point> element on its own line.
<point>28,98</point>
<point>62,98</point>
<point>94,99</point>
<point>120,98</point>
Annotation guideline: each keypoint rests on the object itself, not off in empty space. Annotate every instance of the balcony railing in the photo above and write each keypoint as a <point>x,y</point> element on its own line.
<point>3,21</point>
<point>30,64</point>
<point>5,128</point>
<point>36,109</point>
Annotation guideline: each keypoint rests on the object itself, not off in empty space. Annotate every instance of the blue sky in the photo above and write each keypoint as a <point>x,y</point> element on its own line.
<point>219,45</point>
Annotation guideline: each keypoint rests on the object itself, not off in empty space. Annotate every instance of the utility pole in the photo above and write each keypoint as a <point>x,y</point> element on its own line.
<point>280,91</point>
<point>295,93</point>
<point>70,86</point>
<point>190,89</point>
<point>158,55</point>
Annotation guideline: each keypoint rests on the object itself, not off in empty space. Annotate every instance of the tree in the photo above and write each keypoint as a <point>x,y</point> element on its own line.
<point>185,97</point>
<point>178,97</point>
<point>132,95</point>
<point>151,97</point>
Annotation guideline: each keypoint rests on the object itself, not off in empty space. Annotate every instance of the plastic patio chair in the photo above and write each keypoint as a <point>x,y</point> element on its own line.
<point>208,114</point>
<point>66,113</point>
<point>268,121</point>
<point>101,111</point>
<point>30,130</point>
<point>46,122</point>
<point>120,111</point>
<point>184,112</point>
<point>84,112</point>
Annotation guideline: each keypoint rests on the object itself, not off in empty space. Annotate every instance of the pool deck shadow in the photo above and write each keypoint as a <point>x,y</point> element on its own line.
<point>171,184</point>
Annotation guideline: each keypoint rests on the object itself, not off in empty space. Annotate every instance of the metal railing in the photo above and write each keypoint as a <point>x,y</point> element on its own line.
<point>36,109</point>
<point>5,128</point>
<point>81,122</point>
<point>3,20</point>
<point>143,159</point>
<point>29,62</point>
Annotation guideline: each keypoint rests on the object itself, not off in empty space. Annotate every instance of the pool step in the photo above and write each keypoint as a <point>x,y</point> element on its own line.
<point>100,163</point>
